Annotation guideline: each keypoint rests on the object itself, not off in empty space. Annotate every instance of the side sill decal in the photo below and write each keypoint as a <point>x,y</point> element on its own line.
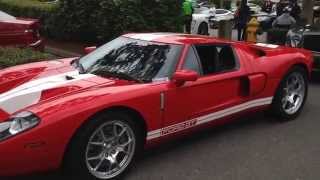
<point>208,118</point>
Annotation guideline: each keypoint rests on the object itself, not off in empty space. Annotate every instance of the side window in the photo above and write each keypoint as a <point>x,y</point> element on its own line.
<point>216,59</point>
<point>191,61</point>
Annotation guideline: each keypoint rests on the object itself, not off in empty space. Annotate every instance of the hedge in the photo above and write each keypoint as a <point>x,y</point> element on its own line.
<point>99,20</point>
<point>10,56</point>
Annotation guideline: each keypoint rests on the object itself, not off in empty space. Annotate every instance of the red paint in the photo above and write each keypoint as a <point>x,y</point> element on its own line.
<point>21,32</point>
<point>63,110</point>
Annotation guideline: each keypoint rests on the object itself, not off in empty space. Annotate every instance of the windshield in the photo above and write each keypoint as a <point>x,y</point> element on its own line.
<point>5,17</point>
<point>132,59</point>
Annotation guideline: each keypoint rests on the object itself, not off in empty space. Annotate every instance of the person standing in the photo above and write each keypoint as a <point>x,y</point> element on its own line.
<point>285,21</point>
<point>187,14</point>
<point>242,17</point>
<point>267,6</point>
<point>280,7</point>
<point>295,10</point>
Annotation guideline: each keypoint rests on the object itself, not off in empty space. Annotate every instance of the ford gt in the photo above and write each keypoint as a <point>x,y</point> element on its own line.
<point>92,116</point>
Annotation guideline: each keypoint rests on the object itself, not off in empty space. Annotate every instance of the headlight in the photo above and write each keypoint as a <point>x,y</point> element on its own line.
<point>17,124</point>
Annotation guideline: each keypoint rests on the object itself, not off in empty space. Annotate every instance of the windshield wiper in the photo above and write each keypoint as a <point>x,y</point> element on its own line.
<point>119,75</point>
<point>78,66</point>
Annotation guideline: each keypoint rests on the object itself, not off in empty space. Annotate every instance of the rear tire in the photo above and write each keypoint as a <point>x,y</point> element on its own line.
<point>203,29</point>
<point>291,95</point>
<point>105,148</point>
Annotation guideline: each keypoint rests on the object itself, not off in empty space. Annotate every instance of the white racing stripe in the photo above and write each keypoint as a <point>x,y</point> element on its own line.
<point>208,118</point>
<point>30,93</point>
<point>149,37</point>
<point>267,45</point>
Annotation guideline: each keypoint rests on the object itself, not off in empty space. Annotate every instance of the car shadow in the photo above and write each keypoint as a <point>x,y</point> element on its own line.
<point>259,120</point>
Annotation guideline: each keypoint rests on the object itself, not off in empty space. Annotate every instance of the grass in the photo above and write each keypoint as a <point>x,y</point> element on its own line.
<point>10,56</point>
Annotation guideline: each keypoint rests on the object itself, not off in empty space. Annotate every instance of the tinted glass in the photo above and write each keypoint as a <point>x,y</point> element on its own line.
<point>216,59</point>
<point>221,11</point>
<point>191,62</point>
<point>142,60</point>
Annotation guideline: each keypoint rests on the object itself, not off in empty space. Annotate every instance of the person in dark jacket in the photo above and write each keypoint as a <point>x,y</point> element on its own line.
<point>285,21</point>
<point>242,17</point>
<point>295,10</point>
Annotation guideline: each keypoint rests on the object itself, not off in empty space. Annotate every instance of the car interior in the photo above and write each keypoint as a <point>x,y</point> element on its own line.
<point>213,59</point>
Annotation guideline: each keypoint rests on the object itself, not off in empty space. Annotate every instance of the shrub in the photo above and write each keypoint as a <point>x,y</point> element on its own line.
<point>27,8</point>
<point>10,56</point>
<point>99,20</point>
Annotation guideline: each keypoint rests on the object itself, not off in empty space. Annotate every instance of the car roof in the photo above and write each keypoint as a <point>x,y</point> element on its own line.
<point>175,38</point>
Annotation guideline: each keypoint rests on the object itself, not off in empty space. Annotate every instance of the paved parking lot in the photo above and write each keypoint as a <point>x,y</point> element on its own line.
<point>254,148</point>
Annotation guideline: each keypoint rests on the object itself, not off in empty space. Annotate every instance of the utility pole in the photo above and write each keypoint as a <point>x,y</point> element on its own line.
<point>307,10</point>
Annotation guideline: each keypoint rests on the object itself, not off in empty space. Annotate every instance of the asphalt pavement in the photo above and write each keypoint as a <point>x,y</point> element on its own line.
<point>253,148</point>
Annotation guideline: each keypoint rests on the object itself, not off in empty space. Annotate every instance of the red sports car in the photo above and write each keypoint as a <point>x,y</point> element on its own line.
<point>93,115</point>
<point>19,32</point>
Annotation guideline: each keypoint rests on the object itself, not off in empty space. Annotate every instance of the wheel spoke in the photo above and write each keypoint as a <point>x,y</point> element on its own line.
<point>114,128</point>
<point>98,165</point>
<point>94,157</point>
<point>284,105</point>
<point>103,135</point>
<point>96,143</point>
<point>122,132</point>
<point>125,144</point>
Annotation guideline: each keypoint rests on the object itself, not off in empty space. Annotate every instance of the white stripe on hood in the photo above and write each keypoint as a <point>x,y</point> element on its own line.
<point>30,93</point>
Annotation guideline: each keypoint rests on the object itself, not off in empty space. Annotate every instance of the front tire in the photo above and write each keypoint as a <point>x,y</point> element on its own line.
<point>291,94</point>
<point>104,148</point>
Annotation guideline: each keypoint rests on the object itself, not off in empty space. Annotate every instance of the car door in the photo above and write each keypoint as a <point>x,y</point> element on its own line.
<point>220,90</point>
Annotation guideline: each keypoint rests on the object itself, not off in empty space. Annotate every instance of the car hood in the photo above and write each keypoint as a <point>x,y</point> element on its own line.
<point>27,85</point>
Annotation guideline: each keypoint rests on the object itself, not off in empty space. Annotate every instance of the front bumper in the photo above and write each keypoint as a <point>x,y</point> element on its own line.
<point>26,153</point>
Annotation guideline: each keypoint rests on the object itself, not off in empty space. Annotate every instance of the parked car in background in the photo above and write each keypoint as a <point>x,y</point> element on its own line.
<point>306,37</point>
<point>93,115</point>
<point>19,32</point>
<point>209,19</point>
<point>265,19</point>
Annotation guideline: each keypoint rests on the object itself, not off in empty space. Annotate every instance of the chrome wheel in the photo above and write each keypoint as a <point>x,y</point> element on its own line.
<point>110,149</point>
<point>294,93</point>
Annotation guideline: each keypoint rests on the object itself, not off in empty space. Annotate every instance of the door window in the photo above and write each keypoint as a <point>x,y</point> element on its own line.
<point>191,62</point>
<point>215,59</point>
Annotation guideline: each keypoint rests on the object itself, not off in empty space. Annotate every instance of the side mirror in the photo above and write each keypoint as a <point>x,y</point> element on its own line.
<point>88,50</point>
<point>182,76</point>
